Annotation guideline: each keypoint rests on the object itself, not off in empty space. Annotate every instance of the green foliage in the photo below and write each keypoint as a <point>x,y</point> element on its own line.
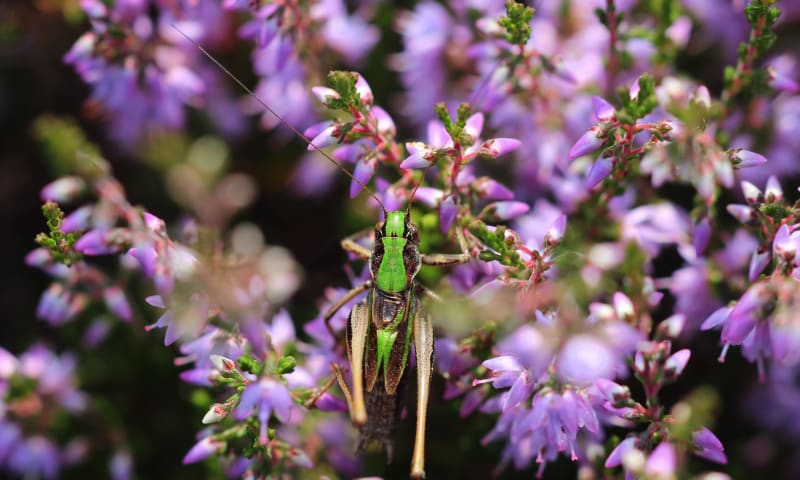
<point>344,83</point>
<point>517,22</point>
<point>60,245</point>
<point>501,248</point>
<point>638,107</point>
<point>286,364</point>
<point>455,129</point>
<point>67,148</point>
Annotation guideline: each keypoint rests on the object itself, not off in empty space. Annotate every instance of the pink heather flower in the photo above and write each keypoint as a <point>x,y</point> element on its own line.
<point>758,262</point>
<point>662,461</point>
<point>708,446</point>
<point>603,110</point>
<point>508,210</point>
<point>676,363</point>
<point>267,396</point>
<point>745,158</point>
<point>601,168</point>
<point>589,142</point>
<point>202,450</point>
<point>447,212</point>
<point>615,457</point>
<point>63,190</point>
<point>701,234</point>
<point>117,303</point>
<point>78,220</point>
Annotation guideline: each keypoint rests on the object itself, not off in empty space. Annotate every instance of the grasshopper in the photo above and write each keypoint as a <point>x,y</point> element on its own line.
<point>381,328</point>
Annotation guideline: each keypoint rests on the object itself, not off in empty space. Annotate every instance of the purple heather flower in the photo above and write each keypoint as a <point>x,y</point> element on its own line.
<point>745,158</point>
<point>269,396</point>
<point>121,465</point>
<point>655,226</point>
<point>618,454</point>
<point>63,190</point>
<point>600,169</point>
<point>603,110</point>
<point>203,449</point>
<point>673,367</point>
<point>508,210</point>
<point>349,35</point>
<point>708,446</point>
<point>34,457</point>
<point>781,73</point>
<point>662,461</point>
<point>447,212</point>
<point>773,191</point>
<point>758,262</point>
<point>585,358</point>
<point>701,234</point>
<point>589,142</point>
<point>117,303</point>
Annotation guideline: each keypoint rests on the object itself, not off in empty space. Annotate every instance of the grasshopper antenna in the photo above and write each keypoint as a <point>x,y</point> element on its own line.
<point>278,116</point>
<point>414,192</point>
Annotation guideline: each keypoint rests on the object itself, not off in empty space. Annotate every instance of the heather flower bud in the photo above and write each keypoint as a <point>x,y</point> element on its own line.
<point>214,414</point>
<point>496,147</point>
<point>202,450</point>
<point>63,190</point>
<point>615,457</point>
<point>223,364</point>
<point>752,194</point>
<point>447,212</point>
<point>773,192</point>
<point>589,142</point>
<point>661,462</point>
<point>600,170</point>
<point>623,306</point>
<point>603,110</point>
<point>745,158</point>
<point>324,94</point>
<point>784,246</point>
<point>323,139</point>
<point>492,189</point>
<point>701,234</point>
<point>117,303</point>
<point>708,446</point>
<point>616,394</point>
<point>364,91</point>
<point>758,262</point>
<point>509,209</point>
<point>743,213</point>
<point>780,81</point>
<point>556,231</point>
<point>675,364</point>
<point>363,172</point>
<point>77,220</point>
<point>672,326</point>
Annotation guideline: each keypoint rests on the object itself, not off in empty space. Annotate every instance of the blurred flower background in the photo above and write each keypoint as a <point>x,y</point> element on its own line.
<point>624,180</point>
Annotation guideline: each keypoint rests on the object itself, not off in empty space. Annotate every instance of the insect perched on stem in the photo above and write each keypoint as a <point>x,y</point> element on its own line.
<point>381,328</point>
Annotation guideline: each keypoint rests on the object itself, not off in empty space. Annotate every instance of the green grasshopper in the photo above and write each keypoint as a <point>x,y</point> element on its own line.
<point>381,328</point>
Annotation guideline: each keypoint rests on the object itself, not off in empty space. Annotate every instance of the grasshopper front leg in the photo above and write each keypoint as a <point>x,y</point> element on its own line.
<point>423,345</point>
<point>349,244</point>
<point>351,294</point>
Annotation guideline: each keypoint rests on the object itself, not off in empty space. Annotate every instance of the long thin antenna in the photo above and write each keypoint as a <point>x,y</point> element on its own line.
<point>273,112</point>
<point>414,192</point>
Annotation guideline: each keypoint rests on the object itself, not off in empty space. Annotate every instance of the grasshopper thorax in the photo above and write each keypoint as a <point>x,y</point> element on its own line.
<point>395,258</point>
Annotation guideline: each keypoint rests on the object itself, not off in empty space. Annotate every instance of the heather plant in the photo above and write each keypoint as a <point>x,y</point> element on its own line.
<point>620,175</point>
